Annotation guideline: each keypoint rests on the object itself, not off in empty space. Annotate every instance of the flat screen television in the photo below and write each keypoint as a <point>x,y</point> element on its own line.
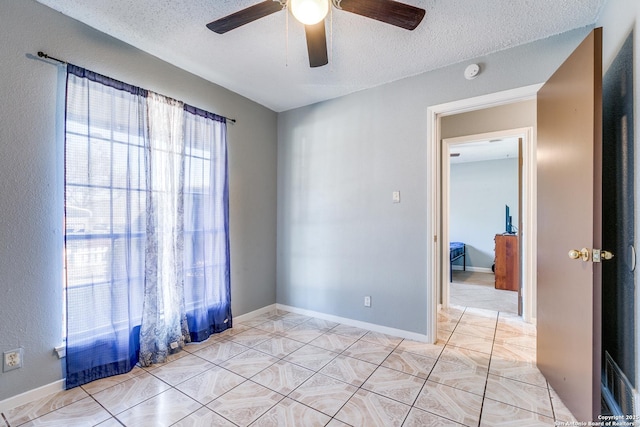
<point>508,221</point>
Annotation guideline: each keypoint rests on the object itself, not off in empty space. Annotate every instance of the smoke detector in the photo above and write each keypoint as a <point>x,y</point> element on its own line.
<point>472,71</point>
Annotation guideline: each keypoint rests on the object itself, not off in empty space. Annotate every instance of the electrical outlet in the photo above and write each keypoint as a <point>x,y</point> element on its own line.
<point>11,360</point>
<point>367,301</point>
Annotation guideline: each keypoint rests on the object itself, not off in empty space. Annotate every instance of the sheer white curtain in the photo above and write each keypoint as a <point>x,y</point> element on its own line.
<point>146,226</point>
<point>206,212</point>
<point>164,324</point>
<point>104,202</point>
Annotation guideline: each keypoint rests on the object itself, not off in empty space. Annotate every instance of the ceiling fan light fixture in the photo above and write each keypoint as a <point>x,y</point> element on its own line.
<point>309,12</point>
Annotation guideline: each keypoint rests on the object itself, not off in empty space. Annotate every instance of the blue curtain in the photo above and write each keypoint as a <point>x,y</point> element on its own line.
<point>109,208</point>
<point>104,224</point>
<point>206,212</point>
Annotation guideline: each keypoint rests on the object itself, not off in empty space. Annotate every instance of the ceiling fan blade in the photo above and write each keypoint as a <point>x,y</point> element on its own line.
<point>389,11</point>
<point>317,44</point>
<point>245,16</point>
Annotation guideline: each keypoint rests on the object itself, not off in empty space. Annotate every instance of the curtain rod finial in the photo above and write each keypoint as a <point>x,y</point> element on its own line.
<point>41,54</point>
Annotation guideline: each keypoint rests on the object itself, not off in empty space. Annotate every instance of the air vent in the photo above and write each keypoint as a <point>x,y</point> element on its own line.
<point>616,389</point>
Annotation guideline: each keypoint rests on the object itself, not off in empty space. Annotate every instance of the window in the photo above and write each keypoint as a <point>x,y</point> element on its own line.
<point>113,232</point>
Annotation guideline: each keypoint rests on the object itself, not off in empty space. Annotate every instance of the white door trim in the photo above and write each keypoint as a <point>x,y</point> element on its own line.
<point>434,195</point>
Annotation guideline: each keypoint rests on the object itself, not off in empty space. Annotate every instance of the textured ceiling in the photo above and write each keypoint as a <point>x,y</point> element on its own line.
<point>266,60</point>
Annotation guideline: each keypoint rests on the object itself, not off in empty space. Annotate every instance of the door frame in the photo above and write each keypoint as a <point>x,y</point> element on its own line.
<point>435,253</point>
<point>524,188</point>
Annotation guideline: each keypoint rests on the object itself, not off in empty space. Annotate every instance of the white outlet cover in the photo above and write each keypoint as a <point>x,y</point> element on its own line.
<point>12,360</point>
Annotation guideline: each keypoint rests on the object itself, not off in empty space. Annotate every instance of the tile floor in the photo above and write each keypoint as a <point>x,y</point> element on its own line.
<point>475,289</point>
<point>286,369</point>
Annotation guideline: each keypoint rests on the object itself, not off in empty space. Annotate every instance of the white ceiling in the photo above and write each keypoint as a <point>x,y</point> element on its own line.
<point>267,63</point>
<point>478,151</point>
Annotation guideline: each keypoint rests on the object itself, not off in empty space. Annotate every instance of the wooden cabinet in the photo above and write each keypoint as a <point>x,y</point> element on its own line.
<point>507,269</point>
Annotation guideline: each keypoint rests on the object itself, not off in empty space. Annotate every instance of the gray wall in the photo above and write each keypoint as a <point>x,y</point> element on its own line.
<point>478,193</point>
<point>31,199</point>
<point>339,235</point>
<point>618,19</point>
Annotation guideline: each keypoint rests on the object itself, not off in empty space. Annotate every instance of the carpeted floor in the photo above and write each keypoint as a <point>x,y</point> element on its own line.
<point>473,289</point>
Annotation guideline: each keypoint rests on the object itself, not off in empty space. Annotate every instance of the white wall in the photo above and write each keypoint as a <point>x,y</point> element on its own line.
<point>339,235</point>
<point>31,198</point>
<point>478,193</point>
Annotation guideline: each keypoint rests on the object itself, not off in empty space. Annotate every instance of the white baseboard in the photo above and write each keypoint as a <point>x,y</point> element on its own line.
<point>357,323</point>
<point>473,269</point>
<point>255,313</point>
<point>31,395</point>
<point>58,386</point>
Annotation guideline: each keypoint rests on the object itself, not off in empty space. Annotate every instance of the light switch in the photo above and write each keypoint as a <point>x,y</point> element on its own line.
<point>396,197</point>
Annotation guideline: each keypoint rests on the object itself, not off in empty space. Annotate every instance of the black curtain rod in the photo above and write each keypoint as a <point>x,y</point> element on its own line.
<point>41,54</point>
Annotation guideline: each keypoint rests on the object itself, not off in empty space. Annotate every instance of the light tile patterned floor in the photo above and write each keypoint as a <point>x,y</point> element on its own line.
<point>286,369</point>
<point>476,289</point>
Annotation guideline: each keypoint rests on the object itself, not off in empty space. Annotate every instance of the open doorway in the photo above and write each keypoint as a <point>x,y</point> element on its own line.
<point>437,265</point>
<point>481,185</point>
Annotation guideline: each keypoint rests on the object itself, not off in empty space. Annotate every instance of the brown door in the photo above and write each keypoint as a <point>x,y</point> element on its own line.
<point>569,217</point>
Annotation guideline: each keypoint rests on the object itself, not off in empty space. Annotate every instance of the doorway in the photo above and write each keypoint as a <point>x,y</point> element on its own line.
<point>437,265</point>
<point>481,188</point>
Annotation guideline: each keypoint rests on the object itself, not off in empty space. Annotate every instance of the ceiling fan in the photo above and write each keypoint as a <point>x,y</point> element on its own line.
<point>312,13</point>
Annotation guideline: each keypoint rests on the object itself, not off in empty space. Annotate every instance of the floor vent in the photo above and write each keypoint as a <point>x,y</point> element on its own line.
<point>617,391</point>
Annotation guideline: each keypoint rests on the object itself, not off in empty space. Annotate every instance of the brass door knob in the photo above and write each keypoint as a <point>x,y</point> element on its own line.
<point>598,255</point>
<point>606,255</point>
<point>577,254</point>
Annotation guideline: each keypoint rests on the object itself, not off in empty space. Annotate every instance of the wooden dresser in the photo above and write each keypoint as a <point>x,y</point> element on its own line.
<point>507,269</point>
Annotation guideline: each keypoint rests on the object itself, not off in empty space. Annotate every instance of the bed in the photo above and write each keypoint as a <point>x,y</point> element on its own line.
<point>457,250</point>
